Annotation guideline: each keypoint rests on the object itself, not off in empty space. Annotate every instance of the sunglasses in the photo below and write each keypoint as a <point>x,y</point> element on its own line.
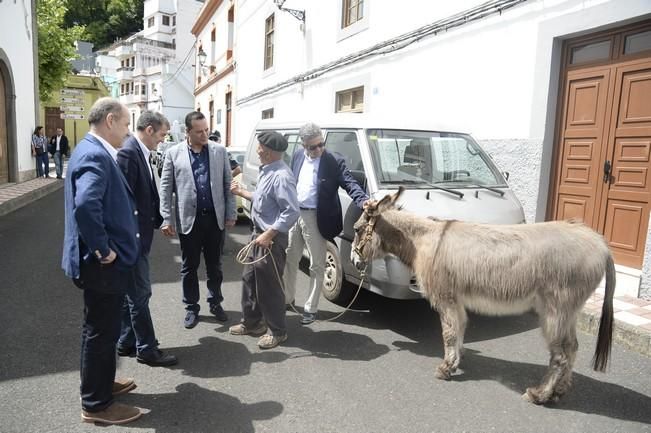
<point>315,146</point>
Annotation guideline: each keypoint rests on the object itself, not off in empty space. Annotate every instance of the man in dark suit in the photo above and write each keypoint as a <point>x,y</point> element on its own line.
<point>58,148</point>
<point>138,336</point>
<point>319,174</point>
<point>100,249</point>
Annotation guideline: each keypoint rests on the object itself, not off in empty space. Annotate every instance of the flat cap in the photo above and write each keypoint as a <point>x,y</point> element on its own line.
<point>273,141</point>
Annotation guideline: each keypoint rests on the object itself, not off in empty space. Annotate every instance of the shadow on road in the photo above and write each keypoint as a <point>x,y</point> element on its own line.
<point>197,409</point>
<point>587,395</point>
<point>415,319</point>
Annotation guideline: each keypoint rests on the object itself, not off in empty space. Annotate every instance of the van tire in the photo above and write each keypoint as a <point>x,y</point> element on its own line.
<point>335,289</point>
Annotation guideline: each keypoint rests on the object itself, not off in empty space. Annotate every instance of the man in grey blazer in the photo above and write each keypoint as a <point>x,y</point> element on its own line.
<point>198,173</point>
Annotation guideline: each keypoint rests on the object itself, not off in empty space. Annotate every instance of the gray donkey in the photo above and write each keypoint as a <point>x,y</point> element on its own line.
<point>550,267</point>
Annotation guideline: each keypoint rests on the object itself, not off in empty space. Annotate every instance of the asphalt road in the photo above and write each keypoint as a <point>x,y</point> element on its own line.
<point>370,371</point>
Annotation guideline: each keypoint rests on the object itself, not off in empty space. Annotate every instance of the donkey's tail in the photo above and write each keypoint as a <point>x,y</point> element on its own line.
<point>605,336</point>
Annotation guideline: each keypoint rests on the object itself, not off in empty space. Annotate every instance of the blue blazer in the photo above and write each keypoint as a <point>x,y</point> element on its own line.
<point>99,210</point>
<point>137,171</point>
<point>332,174</point>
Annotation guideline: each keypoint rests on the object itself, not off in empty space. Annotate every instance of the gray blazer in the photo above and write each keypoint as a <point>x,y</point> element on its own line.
<point>177,178</point>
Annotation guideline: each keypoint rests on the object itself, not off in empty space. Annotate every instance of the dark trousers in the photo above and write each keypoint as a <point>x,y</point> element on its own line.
<point>100,332</point>
<point>137,326</point>
<point>205,236</point>
<point>262,293</point>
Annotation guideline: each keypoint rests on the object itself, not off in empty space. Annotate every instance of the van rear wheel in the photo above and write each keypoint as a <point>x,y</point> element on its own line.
<point>335,288</point>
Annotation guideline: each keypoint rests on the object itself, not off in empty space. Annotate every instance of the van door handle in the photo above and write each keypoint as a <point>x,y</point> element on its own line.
<point>254,183</point>
<point>607,169</point>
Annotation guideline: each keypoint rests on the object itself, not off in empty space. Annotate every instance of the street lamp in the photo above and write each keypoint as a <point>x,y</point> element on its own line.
<point>202,56</point>
<point>296,13</point>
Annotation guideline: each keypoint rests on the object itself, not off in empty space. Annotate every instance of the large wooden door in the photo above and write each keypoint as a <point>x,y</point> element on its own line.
<point>582,141</point>
<point>603,171</point>
<point>627,194</point>
<point>53,121</point>
<point>4,146</point>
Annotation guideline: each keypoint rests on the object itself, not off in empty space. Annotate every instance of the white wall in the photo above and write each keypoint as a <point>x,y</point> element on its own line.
<point>16,40</point>
<point>494,78</point>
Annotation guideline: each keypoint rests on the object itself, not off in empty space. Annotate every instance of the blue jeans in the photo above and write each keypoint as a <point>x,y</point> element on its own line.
<point>137,326</point>
<point>42,167</point>
<point>58,163</point>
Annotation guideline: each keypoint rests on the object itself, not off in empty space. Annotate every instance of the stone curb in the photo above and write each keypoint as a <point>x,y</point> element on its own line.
<point>29,197</point>
<point>624,334</point>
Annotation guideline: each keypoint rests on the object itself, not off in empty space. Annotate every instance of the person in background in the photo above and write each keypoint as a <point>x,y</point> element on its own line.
<point>58,148</point>
<point>39,151</point>
<point>274,210</point>
<point>197,171</point>
<point>235,167</point>
<point>137,336</point>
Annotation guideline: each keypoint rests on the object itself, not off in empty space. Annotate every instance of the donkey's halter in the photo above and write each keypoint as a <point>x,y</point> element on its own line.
<point>368,234</point>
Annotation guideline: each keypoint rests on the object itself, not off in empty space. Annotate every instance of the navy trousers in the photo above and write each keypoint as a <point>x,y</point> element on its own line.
<point>100,333</point>
<point>205,236</point>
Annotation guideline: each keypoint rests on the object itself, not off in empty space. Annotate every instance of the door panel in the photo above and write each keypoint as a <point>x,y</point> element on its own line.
<point>627,194</point>
<point>580,170</point>
<point>4,147</point>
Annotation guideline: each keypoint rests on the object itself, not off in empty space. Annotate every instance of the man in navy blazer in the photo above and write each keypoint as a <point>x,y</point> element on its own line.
<point>138,336</point>
<point>319,174</point>
<point>100,249</point>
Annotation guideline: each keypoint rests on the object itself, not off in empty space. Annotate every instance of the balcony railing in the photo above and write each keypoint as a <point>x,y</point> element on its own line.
<point>125,73</point>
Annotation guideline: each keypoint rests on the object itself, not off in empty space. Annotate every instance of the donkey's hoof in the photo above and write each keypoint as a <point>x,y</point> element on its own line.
<point>533,396</point>
<point>442,373</point>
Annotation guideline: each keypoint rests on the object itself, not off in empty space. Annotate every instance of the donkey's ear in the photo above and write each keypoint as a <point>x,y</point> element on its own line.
<point>392,198</point>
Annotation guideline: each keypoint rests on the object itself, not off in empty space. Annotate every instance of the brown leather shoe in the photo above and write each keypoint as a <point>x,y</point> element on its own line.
<point>242,329</point>
<point>116,413</point>
<point>123,385</point>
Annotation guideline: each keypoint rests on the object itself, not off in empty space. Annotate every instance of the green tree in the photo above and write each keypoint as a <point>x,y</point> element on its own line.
<point>56,46</point>
<point>105,20</point>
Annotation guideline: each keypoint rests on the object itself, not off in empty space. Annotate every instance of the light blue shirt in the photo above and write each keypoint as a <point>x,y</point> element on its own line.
<point>274,204</point>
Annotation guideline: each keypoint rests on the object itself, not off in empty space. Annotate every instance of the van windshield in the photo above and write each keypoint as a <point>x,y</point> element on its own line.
<point>423,158</point>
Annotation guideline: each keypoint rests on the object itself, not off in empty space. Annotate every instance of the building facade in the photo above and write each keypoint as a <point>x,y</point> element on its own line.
<point>559,93</point>
<point>155,65</point>
<point>18,89</point>
<point>68,108</point>
<point>214,76</point>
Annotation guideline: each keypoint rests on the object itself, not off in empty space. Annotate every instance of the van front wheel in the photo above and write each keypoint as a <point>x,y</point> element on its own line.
<point>335,289</point>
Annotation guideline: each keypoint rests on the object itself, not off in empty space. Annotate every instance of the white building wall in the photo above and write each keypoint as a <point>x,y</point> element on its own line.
<point>496,78</point>
<point>216,62</point>
<point>17,39</point>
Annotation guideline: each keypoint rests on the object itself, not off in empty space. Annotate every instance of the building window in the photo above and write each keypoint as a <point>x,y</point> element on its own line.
<point>131,92</point>
<point>166,20</point>
<point>211,114</point>
<point>269,42</point>
<point>143,89</point>
<point>174,20</point>
<point>150,22</point>
<point>352,11</point>
<point>268,113</point>
<point>350,100</point>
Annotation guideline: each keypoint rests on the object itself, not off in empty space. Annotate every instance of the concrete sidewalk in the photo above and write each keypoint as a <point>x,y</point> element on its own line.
<point>632,315</point>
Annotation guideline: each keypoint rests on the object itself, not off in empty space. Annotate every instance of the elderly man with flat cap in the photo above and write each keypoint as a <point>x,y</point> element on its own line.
<point>274,211</point>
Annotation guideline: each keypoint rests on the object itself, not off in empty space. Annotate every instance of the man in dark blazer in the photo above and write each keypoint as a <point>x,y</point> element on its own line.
<point>138,336</point>
<point>100,249</point>
<point>58,147</point>
<point>319,174</point>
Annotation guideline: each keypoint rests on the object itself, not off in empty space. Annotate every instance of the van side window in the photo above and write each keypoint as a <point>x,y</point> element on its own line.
<point>345,143</point>
<point>293,141</point>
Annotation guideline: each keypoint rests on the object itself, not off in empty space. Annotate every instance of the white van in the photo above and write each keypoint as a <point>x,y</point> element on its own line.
<point>446,175</point>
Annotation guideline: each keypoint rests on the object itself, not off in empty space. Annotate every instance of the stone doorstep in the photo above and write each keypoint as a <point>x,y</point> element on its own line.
<point>636,338</point>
